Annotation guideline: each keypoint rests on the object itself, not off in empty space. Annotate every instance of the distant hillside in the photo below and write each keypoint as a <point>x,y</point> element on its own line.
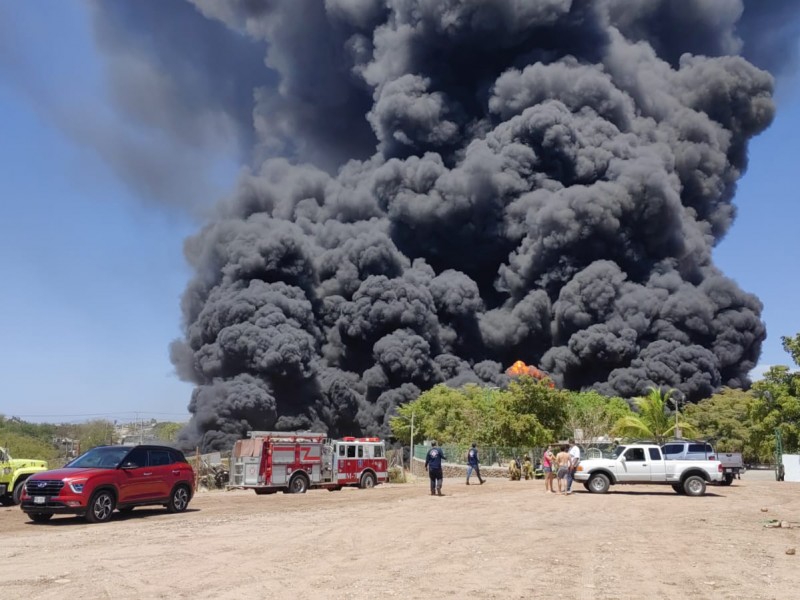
<point>58,443</point>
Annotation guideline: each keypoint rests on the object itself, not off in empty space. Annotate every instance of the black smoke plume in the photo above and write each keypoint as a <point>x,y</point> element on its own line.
<point>453,185</point>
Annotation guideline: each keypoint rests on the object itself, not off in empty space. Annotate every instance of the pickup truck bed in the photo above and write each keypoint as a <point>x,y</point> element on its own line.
<point>732,466</point>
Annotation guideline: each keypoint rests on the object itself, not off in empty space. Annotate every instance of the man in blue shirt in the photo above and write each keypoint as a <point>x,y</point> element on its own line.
<point>433,462</point>
<point>473,462</point>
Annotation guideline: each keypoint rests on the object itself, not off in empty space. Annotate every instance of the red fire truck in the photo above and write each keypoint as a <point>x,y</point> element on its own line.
<point>293,462</point>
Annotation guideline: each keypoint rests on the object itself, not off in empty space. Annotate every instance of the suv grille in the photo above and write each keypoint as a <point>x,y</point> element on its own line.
<point>50,487</point>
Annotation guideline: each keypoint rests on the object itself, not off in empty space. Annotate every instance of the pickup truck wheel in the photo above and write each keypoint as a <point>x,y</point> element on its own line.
<point>599,484</point>
<point>298,484</point>
<point>40,517</point>
<point>728,479</point>
<point>678,488</point>
<point>100,507</point>
<point>694,486</point>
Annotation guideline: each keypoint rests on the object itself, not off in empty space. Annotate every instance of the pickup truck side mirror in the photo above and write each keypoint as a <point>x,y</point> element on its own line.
<point>622,458</point>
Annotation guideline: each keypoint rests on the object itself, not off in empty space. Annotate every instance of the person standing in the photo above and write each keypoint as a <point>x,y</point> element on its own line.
<point>433,463</point>
<point>547,466</point>
<point>562,463</point>
<point>473,463</point>
<point>574,460</point>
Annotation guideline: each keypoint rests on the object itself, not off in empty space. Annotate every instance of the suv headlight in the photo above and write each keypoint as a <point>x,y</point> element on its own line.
<point>77,486</point>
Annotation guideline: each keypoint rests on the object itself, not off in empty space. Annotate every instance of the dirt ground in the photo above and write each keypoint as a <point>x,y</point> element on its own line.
<point>501,540</point>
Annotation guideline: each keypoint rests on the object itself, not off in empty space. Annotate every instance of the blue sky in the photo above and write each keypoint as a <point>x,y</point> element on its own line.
<point>92,272</point>
<point>762,249</point>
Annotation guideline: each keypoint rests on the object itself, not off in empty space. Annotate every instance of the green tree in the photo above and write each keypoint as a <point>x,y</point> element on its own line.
<point>776,405</point>
<point>446,414</point>
<point>792,346</point>
<point>725,419</point>
<point>43,432</point>
<point>594,414</point>
<point>653,421</point>
<point>532,413</point>
<point>27,440</point>
<point>26,446</point>
<point>528,413</point>
<point>97,432</point>
<point>167,431</point>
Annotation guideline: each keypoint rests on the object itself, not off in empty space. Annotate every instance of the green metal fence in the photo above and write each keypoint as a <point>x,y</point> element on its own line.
<point>489,455</point>
<point>501,455</point>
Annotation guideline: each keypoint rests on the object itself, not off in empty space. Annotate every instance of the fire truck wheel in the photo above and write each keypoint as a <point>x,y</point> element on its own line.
<point>298,484</point>
<point>367,481</point>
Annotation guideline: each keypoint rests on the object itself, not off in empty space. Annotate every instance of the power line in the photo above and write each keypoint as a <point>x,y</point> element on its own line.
<point>107,414</point>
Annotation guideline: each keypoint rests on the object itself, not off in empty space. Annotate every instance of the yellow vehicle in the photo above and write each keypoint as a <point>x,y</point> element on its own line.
<point>13,473</point>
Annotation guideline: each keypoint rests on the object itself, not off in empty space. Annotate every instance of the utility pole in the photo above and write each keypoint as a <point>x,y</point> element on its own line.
<point>676,402</point>
<point>140,425</point>
<point>779,475</point>
<point>677,408</point>
<point>411,454</point>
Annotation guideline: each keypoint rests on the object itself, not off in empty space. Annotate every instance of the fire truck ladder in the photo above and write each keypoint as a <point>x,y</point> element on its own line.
<point>288,436</point>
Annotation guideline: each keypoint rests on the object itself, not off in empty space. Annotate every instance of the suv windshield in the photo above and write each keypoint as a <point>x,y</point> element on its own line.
<point>672,449</point>
<point>104,458</point>
<point>684,450</point>
<point>700,449</point>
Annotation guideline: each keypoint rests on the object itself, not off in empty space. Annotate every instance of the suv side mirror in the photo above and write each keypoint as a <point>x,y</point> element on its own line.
<point>621,458</point>
<point>129,465</point>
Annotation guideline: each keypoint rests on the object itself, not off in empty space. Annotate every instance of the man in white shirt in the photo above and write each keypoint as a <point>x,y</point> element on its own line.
<point>575,458</point>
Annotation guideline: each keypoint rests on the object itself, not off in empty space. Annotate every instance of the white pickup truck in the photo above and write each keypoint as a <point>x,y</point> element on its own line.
<point>643,464</point>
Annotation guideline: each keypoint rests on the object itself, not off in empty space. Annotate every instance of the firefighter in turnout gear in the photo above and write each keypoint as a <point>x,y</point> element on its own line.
<point>433,463</point>
<point>514,470</point>
<point>527,468</point>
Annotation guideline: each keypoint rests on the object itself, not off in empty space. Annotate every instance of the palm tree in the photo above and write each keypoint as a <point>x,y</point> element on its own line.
<point>653,422</point>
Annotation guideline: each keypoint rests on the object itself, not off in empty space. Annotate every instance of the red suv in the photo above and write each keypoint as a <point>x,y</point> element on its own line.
<point>109,477</point>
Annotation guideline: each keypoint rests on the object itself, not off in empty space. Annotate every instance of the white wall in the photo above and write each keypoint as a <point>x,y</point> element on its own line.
<point>791,465</point>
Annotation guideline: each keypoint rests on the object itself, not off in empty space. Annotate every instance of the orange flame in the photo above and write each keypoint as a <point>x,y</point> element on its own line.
<point>519,368</point>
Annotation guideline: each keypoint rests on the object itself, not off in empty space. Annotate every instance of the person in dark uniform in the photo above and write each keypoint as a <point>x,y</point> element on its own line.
<point>473,463</point>
<point>433,462</point>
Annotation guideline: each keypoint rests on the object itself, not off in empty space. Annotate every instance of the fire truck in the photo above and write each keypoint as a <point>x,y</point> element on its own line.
<point>293,462</point>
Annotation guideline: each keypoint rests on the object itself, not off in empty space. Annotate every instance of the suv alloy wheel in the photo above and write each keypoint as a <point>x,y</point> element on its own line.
<point>179,499</point>
<point>101,507</point>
